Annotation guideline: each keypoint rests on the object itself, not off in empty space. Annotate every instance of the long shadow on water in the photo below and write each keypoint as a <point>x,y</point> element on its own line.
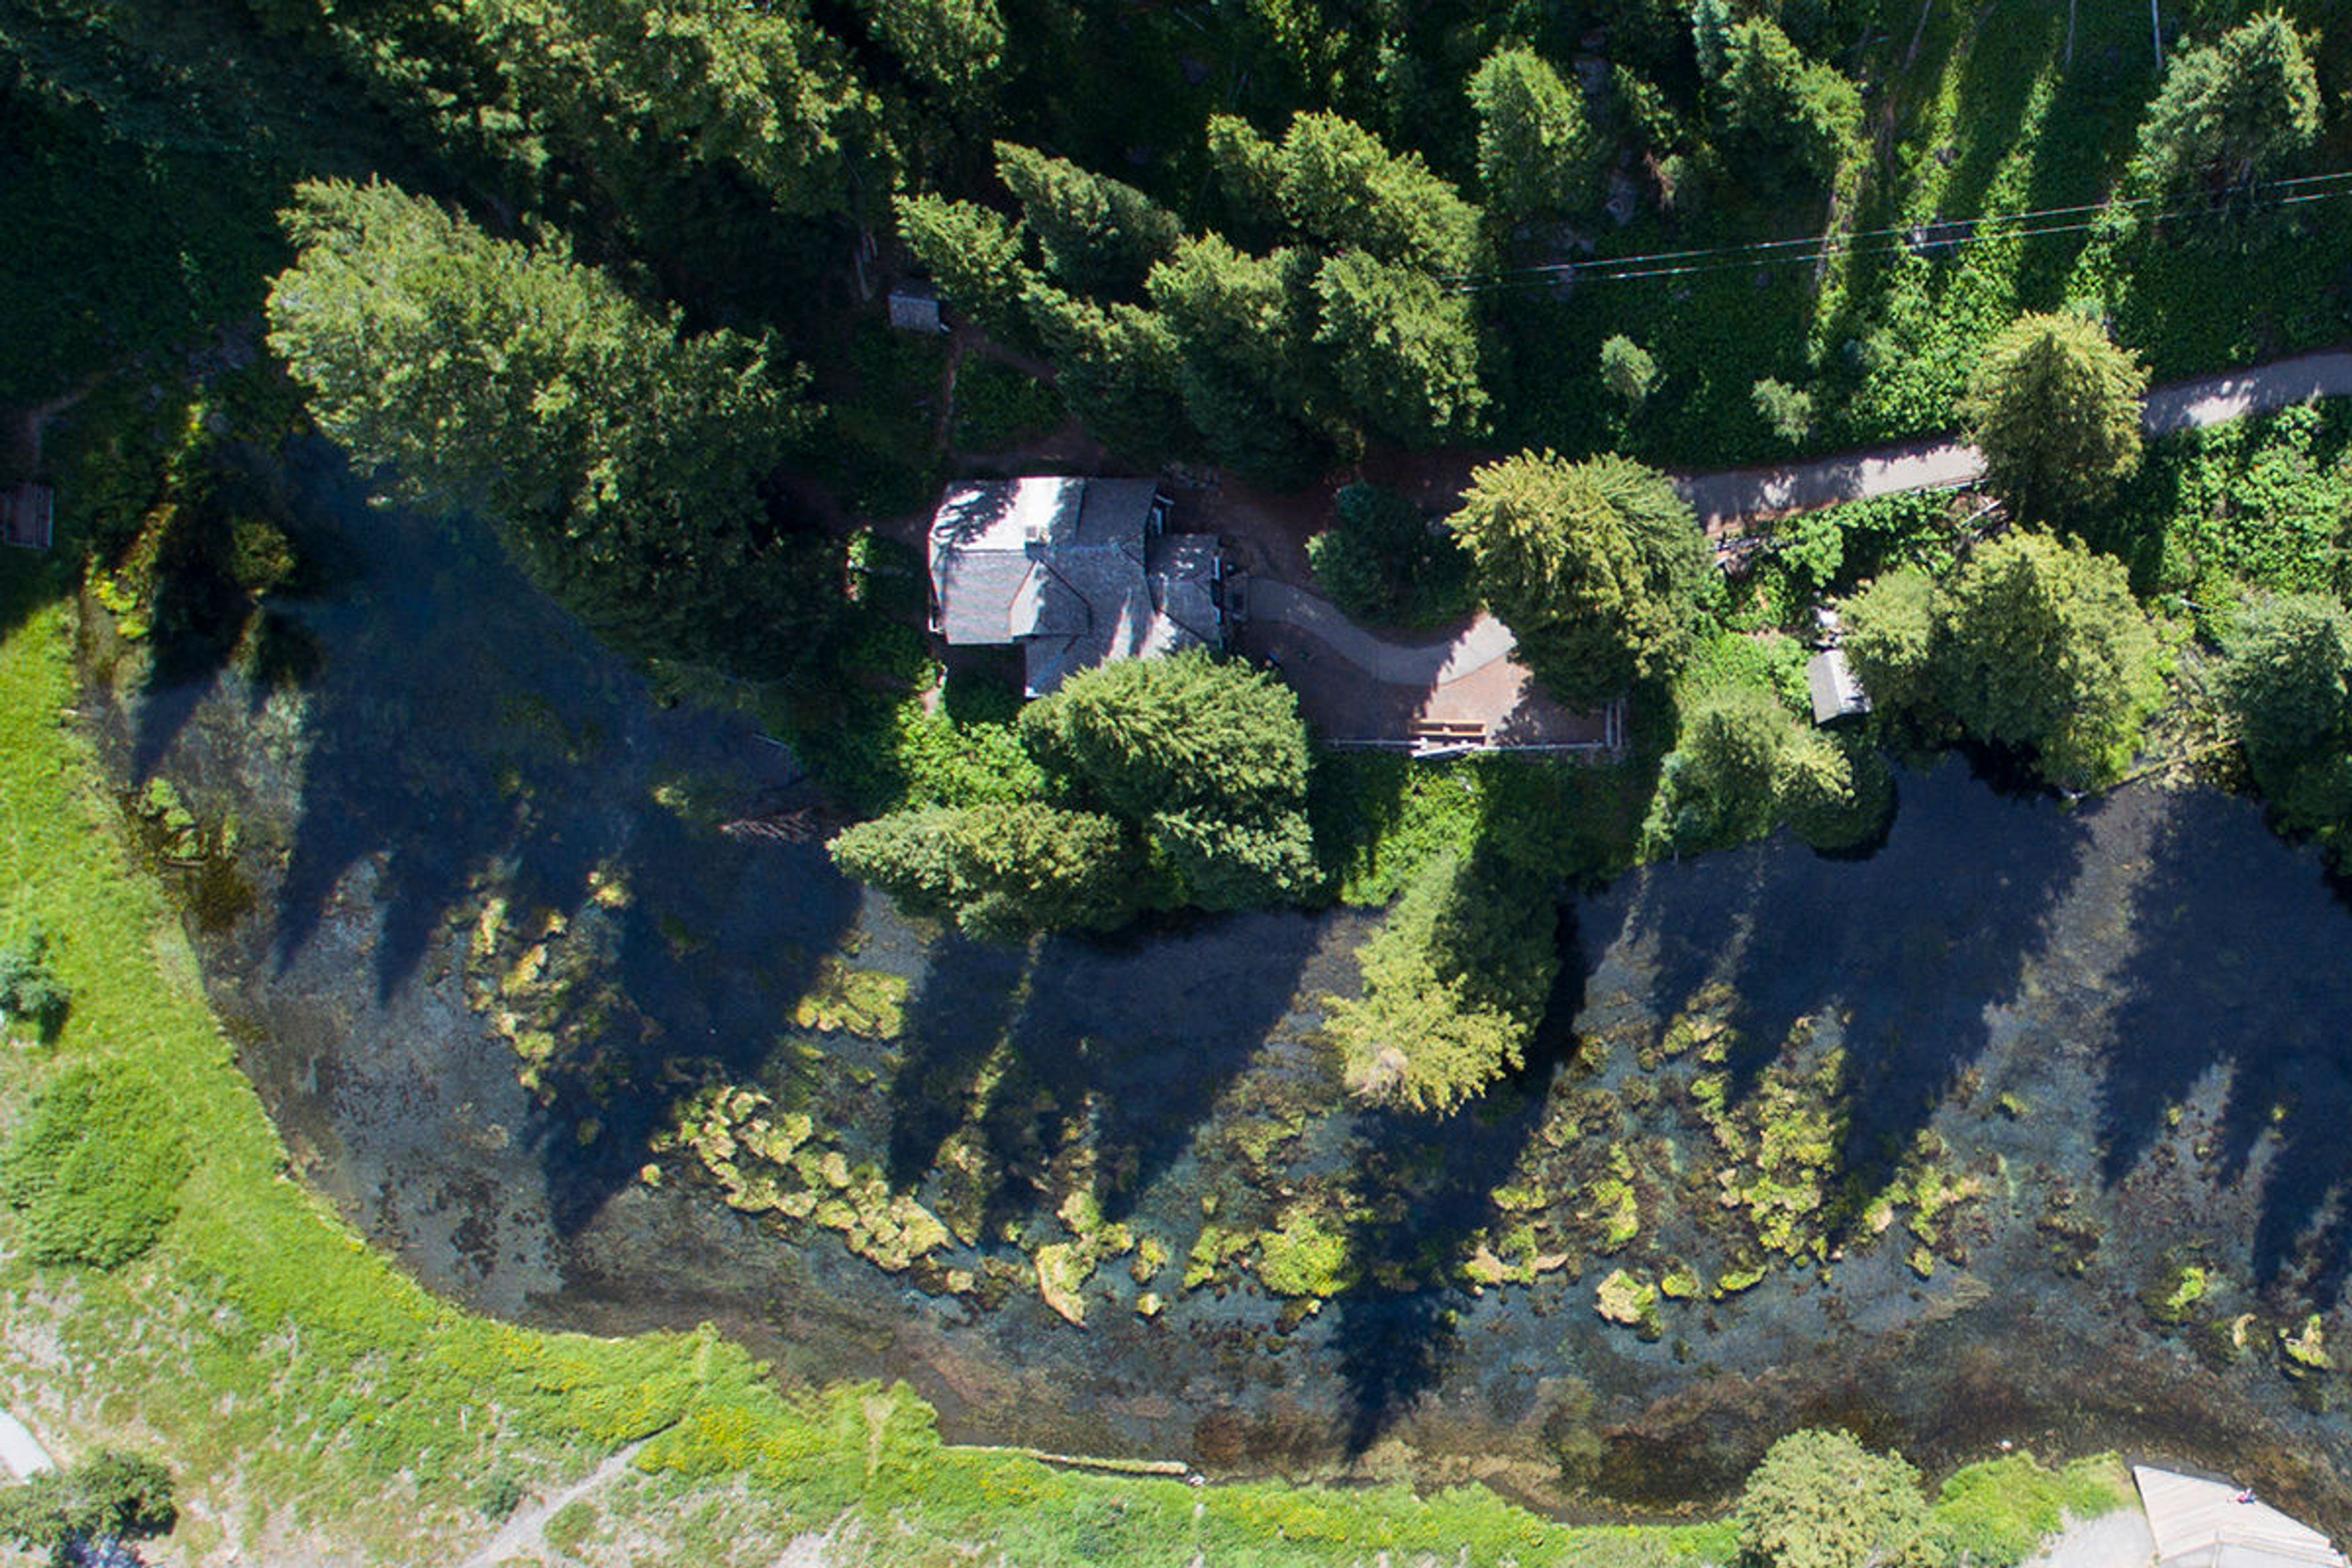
<point>1123,1044</point>
<point>1428,1188</point>
<point>2238,969</point>
<point>467,740</point>
<point>1902,954</point>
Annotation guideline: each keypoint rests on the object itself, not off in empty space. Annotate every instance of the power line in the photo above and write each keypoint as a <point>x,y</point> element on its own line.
<point>1998,227</point>
<point>1813,248</point>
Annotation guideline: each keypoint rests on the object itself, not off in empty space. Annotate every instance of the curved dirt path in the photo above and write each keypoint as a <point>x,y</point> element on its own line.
<point>1724,500</point>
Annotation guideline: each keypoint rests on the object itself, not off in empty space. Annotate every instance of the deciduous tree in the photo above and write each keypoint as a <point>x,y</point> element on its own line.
<point>1890,631</point>
<point>2041,645</point>
<point>1820,1499</point>
<point>108,1496</point>
<point>2286,684</point>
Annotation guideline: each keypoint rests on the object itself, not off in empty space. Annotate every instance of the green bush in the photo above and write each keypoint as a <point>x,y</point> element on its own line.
<point>1382,562</point>
<point>29,988</point>
<point>108,1496</point>
<point>96,1169</point>
<point>1820,1499</point>
<point>1997,1513</point>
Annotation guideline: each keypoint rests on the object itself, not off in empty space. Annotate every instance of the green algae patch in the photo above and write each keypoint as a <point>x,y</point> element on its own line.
<point>766,1159</point>
<point>1732,1281</point>
<point>1629,1301</point>
<point>1304,1258</point>
<point>1680,1282</point>
<point>1063,1269</point>
<point>1615,1204</point>
<point>870,1004</point>
<point>2306,1348</point>
<point>2178,1291</point>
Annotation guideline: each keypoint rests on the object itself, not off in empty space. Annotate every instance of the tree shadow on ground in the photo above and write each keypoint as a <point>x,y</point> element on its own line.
<point>1426,1192</point>
<point>2237,974</point>
<point>1122,1045</point>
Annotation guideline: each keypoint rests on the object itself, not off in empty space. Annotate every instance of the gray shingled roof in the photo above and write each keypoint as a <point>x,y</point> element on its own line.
<point>1835,691</point>
<point>1069,569</point>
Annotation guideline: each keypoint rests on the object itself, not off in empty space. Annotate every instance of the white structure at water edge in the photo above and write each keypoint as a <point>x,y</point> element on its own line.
<point>2212,1525</point>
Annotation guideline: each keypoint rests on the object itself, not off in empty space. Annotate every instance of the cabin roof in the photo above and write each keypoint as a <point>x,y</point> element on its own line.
<point>2204,1524</point>
<point>1836,693</point>
<point>1072,569</point>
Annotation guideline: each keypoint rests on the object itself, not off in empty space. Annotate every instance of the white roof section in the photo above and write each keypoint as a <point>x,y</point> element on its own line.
<point>2203,1524</point>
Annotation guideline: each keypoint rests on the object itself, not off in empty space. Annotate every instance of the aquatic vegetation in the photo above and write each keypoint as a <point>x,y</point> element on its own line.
<point>2306,1348</point>
<point>1063,1269</point>
<point>1304,1258</point>
<point>843,998</point>
<point>775,1161</point>
<point>2178,1290</point>
<point>1627,1299</point>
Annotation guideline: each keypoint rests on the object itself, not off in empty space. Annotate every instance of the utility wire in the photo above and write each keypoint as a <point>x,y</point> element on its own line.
<point>1815,246</point>
<point>1998,227</point>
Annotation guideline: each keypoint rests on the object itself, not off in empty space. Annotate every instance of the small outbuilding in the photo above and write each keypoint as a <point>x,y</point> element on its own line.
<point>915,306</point>
<point>1078,571</point>
<point>2199,1523</point>
<point>1836,693</point>
<point>28,515</point>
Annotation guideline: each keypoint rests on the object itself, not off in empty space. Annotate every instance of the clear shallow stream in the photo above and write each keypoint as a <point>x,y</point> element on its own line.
<point>2120,1030</point>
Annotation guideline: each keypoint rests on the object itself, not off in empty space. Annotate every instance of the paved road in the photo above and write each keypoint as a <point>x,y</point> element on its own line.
<point>1421,664</point>
<point>1725,500</point>
<point>2117,1540</point>
<point>1722,500</point>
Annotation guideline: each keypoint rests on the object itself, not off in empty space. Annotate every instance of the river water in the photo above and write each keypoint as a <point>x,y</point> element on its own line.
<point>465,842</point>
